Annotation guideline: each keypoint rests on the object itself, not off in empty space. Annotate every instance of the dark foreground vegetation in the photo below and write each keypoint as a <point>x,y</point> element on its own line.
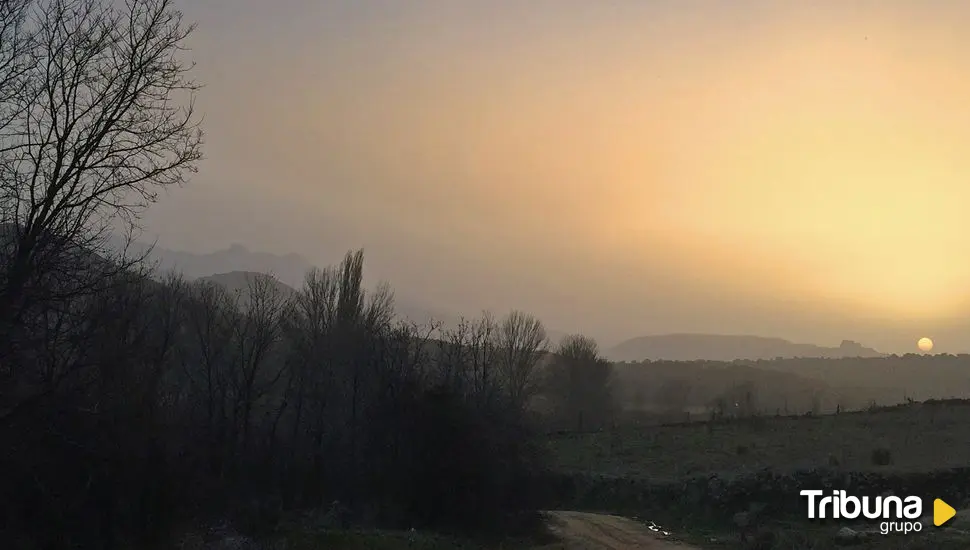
<point>147,404</point>
<point>138,408</point>
<point>134,406</point>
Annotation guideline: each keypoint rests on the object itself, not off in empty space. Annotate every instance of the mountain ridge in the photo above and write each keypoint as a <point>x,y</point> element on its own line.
<point>727,347</point>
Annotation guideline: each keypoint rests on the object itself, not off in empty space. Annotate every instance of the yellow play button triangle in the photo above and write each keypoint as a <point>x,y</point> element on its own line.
<point>942,512</point>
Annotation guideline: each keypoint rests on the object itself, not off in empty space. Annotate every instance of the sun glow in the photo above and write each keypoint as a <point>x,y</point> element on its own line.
<point>925,344</point>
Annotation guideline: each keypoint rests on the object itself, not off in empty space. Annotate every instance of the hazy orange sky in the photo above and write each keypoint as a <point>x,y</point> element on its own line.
<point>794,169</point>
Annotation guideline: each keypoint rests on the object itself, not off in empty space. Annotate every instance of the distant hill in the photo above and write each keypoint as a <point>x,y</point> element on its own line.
<point>238,283</point>
<point>288,268</point>
<point>720,347</point>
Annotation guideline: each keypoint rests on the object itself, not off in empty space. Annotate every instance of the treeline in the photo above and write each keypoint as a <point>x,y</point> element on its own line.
<point>666,390</point>
<point>136,405</point>
<point>892,378</point>
<point>707,388</point>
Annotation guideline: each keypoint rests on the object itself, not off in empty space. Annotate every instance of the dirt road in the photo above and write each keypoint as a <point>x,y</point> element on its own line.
<point>583,531</point>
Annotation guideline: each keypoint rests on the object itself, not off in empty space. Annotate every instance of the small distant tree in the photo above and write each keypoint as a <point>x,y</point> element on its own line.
<point>749,403</point>
<point>718,408</point>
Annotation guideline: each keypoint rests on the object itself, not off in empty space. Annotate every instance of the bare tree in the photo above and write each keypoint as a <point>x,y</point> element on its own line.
<point>521,341</point>
<point>481,342</point>
<point>15,43</point>
<point>96,116</point>
<point>580,382</point>
<point>206,353</point>
<point>257,335</point>
<point>454,356</point>
<point>308,325</point>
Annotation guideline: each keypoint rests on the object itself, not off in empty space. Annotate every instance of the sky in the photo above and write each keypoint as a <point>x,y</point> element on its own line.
<point>619,168</point>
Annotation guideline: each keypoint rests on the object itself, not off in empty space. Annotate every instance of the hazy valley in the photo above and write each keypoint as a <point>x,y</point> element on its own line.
<point>674,373</point>
<point>637,275</point>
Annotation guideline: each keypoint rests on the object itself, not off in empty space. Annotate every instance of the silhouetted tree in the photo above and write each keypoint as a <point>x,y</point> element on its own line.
<point>580,382</point>
<point>257,366</point>
<point>521,342</point>
<point>95,117</point>
<point>131,402</point>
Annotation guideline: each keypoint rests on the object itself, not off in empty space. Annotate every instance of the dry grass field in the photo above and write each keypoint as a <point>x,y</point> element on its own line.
<point>916,437</point>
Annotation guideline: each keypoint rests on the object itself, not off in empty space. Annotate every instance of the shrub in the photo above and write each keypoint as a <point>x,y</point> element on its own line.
<point>472,464</point>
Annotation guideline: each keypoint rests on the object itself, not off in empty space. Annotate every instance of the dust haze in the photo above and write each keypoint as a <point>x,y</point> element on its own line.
<point>547,275</point>
<point>614,178</point>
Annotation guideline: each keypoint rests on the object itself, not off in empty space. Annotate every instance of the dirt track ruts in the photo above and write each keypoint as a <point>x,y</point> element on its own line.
<point>584,531</point>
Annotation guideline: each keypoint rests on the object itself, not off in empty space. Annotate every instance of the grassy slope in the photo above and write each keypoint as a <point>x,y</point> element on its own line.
<point>919,438</point>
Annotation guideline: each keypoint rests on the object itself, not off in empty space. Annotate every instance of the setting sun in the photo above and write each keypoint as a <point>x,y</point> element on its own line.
<point>925,344</point>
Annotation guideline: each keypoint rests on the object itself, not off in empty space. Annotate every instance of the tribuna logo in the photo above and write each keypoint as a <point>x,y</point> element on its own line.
<point>839,505</point>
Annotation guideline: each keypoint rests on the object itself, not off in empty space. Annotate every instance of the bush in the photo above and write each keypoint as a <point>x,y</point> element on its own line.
<point>472,464</point>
